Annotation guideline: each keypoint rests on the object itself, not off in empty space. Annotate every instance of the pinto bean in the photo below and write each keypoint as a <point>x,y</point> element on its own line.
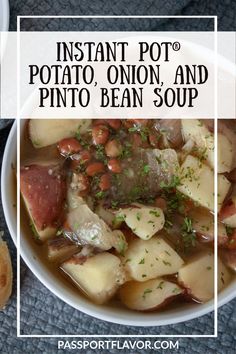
<point>95,168</point>
<point>79,159</point>
<point>99,121</point>
<point>83,182</point>
<point>100,134</point>
<point>154,139</point>
<point>114,166</point>
<point>136,140</point>
<point>105,182</point>
<point>161,203</point>
<point>114,123</point>
<point>113,148</point>
<point>69,146</point>
<point>136,121</point>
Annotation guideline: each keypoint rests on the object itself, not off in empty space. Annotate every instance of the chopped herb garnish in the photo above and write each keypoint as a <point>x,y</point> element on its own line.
<point>138,216</point>
<point>114,204</point>
<point>100,194</point>
<point>59,232</point>
<point>160,286</point>
<point>133,129</point>
<point>143,131</point>
<point>122,247</point>
<point>126,151</point>
<point>188,234</point>
<point>100,153</point>
<point>120,217</point>
<point>176,290</point>
<point>146,169</point>
<point>166,263</point>
<point>146,291</point>
<point>229,230</point>
<point>155,213</point>
<point>174,182</point>
<point>142,261</point>
<point>82,141</point>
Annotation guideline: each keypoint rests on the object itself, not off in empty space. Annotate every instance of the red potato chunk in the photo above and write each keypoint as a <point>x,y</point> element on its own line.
<point>228,213</point>
<point>98,276</point>
<point>229,259</point>
<point>148,296</point>
<point>197,276</point>
<point>203,224</point>
<point>5,274</point>
<point>43,189</point>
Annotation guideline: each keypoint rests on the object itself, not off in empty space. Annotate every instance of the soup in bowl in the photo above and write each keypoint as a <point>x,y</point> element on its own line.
<point>117,216</point>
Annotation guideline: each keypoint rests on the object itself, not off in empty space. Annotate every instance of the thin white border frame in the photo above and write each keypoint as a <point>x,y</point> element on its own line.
<point>19,335</point>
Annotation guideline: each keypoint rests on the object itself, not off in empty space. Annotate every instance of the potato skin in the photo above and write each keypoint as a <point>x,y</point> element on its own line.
<point>5,274</point>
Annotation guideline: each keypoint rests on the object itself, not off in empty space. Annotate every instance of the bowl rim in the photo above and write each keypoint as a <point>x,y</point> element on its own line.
<point>89,310</point>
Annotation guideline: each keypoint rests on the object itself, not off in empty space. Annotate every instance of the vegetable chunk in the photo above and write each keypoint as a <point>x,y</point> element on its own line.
<point>43,189</point>
<point>203,224</point>
<point>223,189</point>
<point>146,260</point>
<point>197,182</point>
<point>44,132</point>
<point>228,213</point>
<point>198,277</point>
<point>195,130</point>
<point>87,228</point>
<point>5,274</point>
<point>149,295</point>
<point>144,221</point>
<point>98,276</point>
<point>224,154</point>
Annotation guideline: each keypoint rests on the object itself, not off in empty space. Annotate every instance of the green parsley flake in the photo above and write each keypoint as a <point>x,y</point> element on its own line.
<point>146,291</point>
<point>155,213</point>
<point>160,285</point>
<point>138,216</point>
<point>142,261</point>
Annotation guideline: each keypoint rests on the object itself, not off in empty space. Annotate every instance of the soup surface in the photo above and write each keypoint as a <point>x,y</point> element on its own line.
<point>124,209</point>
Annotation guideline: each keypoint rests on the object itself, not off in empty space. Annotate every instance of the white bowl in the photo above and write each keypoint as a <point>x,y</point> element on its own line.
<point>4,15</point>
<point>109,313</point>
